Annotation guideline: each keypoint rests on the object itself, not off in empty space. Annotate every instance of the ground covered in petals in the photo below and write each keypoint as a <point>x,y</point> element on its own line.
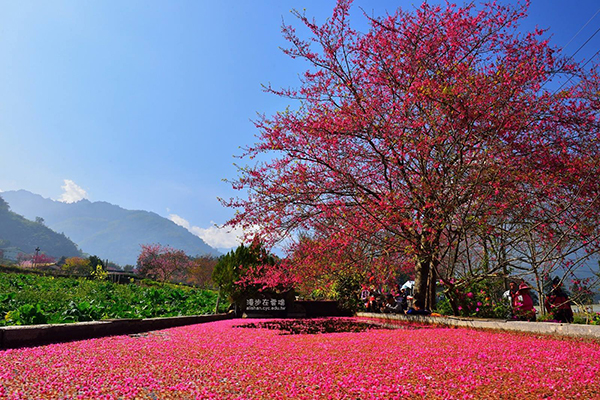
<point>318,326</point>
<point>220,361</point>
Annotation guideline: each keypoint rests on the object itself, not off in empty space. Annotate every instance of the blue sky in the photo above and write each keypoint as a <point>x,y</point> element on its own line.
<point>144,103</point>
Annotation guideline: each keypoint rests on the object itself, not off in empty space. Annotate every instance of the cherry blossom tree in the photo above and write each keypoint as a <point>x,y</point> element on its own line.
<point>429,129</point>
<point>34,260</point>
<point>164,264</point>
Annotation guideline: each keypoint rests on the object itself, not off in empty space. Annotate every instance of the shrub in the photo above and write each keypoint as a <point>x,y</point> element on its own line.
<point>481,299</point>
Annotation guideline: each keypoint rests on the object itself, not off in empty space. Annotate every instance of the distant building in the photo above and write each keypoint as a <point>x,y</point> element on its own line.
<point>10,253</point>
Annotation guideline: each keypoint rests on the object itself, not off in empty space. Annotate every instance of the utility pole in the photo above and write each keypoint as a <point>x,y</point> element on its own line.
<point>37,252</point>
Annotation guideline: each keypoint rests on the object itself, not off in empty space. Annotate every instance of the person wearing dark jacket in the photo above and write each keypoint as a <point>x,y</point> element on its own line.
<point>391,306</point>
<point>418,308</point>
<point>558,303</point>
<point>402,299</point>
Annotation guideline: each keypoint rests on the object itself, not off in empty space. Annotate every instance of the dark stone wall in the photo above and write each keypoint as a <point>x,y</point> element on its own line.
<point>322,308</point>
<point>35,335</point>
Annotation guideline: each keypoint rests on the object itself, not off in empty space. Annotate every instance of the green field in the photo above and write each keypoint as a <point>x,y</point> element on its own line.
<point>32,299</point>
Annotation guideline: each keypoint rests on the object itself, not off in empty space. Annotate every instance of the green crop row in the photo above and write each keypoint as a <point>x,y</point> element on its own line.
<point>31,299</point>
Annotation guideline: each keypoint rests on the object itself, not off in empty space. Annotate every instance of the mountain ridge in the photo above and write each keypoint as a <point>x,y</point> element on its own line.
<point>21,235</point>
<point>105,229</point>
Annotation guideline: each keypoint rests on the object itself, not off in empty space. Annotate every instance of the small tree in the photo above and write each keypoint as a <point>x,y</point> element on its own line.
<point>233,265</point>
<point>25,260</point>
<point>129,268</point>
<point>95,261</point>
<point>77,266</point>
<point>164,264</point>
<point>200,270</point>
<point>252,272</point>
<point>42,260</point>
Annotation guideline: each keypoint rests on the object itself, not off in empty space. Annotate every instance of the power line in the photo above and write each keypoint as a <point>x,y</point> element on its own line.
<point>571,77</point>
<point>582,28</point>
<point>586,42</point>
<point>577,51</point>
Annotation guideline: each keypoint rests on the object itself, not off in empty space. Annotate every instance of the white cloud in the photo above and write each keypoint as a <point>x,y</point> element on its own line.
<point>73,193</point>
<point>179,221</point>
<point>214,236</point>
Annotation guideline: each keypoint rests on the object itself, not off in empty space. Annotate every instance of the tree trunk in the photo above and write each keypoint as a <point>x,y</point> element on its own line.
<point>421,280</point>
<point>430,300</point>
<point>454,305</point>
<point>218,301</point>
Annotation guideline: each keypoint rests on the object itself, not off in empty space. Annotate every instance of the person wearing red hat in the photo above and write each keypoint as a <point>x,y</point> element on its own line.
<point>523,304</point>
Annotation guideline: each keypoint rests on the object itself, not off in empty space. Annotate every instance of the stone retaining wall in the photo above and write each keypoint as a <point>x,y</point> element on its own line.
<point>35,335</point>
<point>543,328</point>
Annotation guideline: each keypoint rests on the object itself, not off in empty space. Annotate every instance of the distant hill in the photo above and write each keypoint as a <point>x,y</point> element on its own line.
<point>107,230</point>
<point>18,234</point>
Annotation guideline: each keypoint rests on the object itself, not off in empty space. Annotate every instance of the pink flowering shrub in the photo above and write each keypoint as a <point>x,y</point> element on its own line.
<point>481,299</point>
<point>217,361</point>
<point>33,260</point>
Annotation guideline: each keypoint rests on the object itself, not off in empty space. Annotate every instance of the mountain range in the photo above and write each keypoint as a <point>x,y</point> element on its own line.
<point>20,235</point>
<point>104,229</point>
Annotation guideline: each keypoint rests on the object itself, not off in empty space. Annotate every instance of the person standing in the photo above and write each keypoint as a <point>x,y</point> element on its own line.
<point>558,304</point>
<point>509,295</point>
<point>523,304</point>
